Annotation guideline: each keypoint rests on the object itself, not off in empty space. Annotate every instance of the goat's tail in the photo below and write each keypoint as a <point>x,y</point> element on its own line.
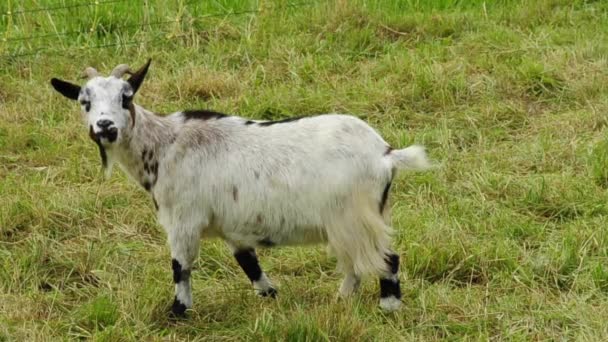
<point>410,158</point>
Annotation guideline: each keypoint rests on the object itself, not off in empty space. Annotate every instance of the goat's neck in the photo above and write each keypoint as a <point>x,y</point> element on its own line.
<point>140,152</point>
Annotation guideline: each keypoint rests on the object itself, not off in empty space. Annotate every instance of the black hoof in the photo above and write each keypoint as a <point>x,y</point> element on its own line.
<point>178,309</point>
<point>271,292</point>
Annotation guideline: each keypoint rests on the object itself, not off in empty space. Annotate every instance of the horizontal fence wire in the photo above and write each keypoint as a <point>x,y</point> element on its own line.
<point>77,32</point>
<point>161,23</point>
<point>59,8</point>
<point>100,46</point>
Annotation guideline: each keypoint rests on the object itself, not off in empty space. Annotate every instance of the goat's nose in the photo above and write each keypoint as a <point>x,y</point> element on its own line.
<point>104,123</point>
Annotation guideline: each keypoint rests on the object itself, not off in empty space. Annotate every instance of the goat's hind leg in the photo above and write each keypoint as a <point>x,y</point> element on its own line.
<point>361,242</point>
<point>390,287</point>
<point>248,260</point>
<point>351,281</point>
<point>350,285</point>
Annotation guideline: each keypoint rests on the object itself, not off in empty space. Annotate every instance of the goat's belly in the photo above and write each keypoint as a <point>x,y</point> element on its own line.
<point>275,236</point>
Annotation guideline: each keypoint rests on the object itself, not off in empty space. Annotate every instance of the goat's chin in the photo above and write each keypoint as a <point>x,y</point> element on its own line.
<point>106,159</point>
<point>107,169</point>
<point>108,143</point>
<point>108,137</point>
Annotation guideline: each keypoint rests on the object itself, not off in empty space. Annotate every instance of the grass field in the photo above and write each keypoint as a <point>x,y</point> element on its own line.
<point>507,240</point>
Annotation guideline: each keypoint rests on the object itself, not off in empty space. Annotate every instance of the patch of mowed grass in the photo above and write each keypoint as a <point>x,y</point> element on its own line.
<point>506,240</point>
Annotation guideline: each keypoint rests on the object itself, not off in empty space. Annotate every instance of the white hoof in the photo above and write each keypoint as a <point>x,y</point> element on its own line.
<point>390,304</point>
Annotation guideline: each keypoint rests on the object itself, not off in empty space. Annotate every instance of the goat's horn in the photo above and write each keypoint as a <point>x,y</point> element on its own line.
<point>90,72</point>
<point>120,70</point>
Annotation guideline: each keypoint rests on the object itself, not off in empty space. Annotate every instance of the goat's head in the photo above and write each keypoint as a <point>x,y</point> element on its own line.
<point>107,102</point>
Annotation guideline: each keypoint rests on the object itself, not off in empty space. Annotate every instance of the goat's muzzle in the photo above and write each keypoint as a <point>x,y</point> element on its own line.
<point>106,130</point>
<point>110,134</point>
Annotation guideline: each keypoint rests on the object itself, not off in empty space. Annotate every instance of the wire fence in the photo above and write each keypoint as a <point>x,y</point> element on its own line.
<point>59,8</point>
<point>144,24</point>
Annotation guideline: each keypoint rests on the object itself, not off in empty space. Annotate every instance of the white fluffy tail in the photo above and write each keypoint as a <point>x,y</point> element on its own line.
<point>410,158</point>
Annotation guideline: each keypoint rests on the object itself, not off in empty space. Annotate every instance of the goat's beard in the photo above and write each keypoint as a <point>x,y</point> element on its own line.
<point>106,163</point>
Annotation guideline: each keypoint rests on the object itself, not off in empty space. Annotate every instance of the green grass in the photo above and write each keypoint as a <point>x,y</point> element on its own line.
<point>507,240</point>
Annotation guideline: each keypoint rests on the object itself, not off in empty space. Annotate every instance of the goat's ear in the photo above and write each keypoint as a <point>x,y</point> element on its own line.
<point>66,89</point>
<point>138,77</point>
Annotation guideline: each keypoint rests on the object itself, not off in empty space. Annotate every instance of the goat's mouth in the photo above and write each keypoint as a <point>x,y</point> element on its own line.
<point>109,134</point>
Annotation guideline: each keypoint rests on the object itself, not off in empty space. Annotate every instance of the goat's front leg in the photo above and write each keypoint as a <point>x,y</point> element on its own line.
<point>248,261</point>
<point>184,245</point>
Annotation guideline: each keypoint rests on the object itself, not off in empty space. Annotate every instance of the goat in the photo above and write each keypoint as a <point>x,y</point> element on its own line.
<point>317,179</point>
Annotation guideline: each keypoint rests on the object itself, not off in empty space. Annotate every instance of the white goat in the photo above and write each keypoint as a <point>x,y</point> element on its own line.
<point>320,179</point>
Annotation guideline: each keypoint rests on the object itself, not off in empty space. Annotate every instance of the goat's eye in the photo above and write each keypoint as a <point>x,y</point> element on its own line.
<point>126,100</point>
<point>86,104</point>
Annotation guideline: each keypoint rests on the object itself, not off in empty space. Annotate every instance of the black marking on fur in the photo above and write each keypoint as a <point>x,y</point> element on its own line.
<point>102,150</point>
<point>392,260</point>
<point>150,154</point>
<point>235,193</point>
<point>270,123</point>
<point>270,292</point>
<point>147,185</point>
<point>86,104</point>
<point>179,274</point>
<point>154,169</point>
<point>384,198</point>
<point>249,263</point>
<point>178,308</point>
<point>249,122</point>
<point>389,287</point>
<point>155,203</point>
<point>266,242</point>
<point>177,270</point>
<point>111,134</point>
<point>146,167</point>
<point>143,154</point>
<point>203,115</point>
<point>126,101</point>
<point>388,150</point>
